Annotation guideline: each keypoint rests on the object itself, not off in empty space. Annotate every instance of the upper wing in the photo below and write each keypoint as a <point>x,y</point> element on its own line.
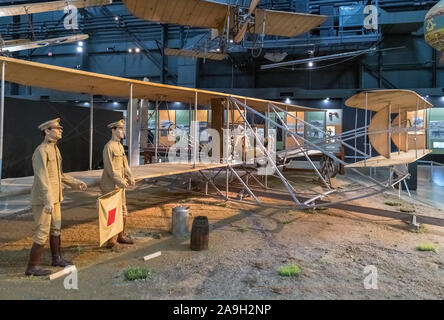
<point>287,24</point>
<point>24,44</point>
<point>399,99</point>
<point>195,13</point>
<point>39,7</point>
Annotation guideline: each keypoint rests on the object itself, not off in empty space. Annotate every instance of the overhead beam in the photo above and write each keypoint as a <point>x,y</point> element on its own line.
<point>146,51</point>
<point>379,76</point>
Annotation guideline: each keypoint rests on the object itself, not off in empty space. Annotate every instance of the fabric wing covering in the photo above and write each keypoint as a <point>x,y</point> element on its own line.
<point>65,79</point>
<point>39,7</point>
<point>399,99</point>
<point>209,14</point>
<point>286,24</point>
<point>195,13</point>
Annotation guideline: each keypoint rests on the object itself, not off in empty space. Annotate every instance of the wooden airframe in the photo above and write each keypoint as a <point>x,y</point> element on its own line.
<point>195,54</point>
<point>39,7</point>
<point>403,131</point>
<point>214,15</point>
<point>26,44</point>
<point>46,76</point>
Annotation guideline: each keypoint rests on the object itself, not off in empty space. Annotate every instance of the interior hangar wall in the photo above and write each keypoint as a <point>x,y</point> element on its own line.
<point>22,136</point>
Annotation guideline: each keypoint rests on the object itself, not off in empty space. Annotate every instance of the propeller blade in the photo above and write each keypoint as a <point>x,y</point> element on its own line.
<point>214,34</point>
<point>253,5</point>
<point>243,30</point>
<point>240,35</point>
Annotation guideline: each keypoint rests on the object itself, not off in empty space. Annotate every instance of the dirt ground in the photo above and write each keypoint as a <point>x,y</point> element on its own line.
<point>247,246</point>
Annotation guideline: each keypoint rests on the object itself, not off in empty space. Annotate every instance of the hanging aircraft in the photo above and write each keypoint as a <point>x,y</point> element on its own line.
<point>40,7</point>
<point>230,22</point>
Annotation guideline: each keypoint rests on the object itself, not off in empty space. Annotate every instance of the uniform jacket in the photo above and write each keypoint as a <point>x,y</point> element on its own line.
<point>48,175</point>
<point>115,166</point>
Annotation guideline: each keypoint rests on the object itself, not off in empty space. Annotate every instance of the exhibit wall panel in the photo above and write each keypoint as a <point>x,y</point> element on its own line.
<point>316,119</point>
<point>435,124</point>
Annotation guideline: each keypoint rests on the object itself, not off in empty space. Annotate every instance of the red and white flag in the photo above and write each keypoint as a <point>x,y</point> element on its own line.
<point>110,215</point>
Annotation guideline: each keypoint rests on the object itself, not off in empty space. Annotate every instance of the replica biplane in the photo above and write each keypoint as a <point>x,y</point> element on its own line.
<point>40,7</point>
<point>407,131</point>
<point>230,22</point>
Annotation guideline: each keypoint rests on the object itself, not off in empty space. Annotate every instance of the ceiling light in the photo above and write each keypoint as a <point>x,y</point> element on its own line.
<point>137,50</point>
<point>80,43</point>
<point>287,100</point>
<point>79,49</point>
<point>310,64</point>
<point>130,50</point>
<point>116,18</point>
<point>326,100</point>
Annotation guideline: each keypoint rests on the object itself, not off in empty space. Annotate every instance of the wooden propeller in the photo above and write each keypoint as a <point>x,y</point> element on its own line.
<point>243,29</point>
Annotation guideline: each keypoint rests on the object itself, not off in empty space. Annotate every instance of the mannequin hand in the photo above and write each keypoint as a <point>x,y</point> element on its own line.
<point>123,184</point>
<point>83,186</point>
<point>48,208</point>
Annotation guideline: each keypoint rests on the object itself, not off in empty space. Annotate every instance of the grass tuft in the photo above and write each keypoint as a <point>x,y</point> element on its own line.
<point>289,270</point>
<point>243,229</point>
<point>222,205</point>
<point>153,235</point>
<point>407,210</point>
<point>392,203</point>
<point>136,273</point>
<point>426,247</point>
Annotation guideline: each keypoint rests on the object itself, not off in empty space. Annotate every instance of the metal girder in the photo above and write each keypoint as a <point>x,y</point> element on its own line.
<point>331,155</point>
<point>244,184</point>
<point>264,150</point>
<point>379,76</point>
<point>146,51</point>
<point>210,181</point>
<point>305,153</point>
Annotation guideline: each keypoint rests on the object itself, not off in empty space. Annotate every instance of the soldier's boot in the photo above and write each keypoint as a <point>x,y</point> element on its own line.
<point>33,268</point>
<point>113,244</point>
<point>57,259</point>
<point>123,238</point>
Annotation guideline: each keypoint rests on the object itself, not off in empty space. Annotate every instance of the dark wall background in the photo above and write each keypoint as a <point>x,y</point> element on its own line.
<point>348,123</point>
<point>22,136</point>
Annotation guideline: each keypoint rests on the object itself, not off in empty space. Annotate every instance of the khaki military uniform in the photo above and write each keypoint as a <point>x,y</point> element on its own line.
<point>115,170</point>
<point>47,190</point>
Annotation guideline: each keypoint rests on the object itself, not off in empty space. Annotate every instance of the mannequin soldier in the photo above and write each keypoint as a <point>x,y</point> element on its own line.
<point>46,196</point>
<point>117,173</point>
